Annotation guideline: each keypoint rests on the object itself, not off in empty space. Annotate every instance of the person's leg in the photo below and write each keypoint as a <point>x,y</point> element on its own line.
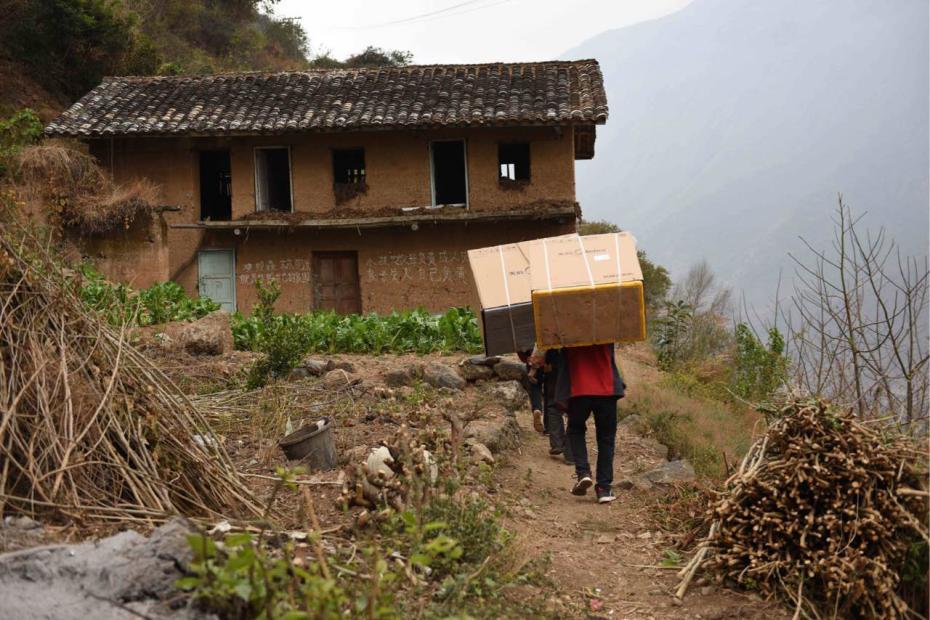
<point>566,447</point>
<point>578,411</point>
<point>556,426</point>
<point>536,404</point>
<point>605,426</point>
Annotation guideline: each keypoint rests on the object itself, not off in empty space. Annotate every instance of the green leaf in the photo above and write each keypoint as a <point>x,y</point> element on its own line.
<point>187,583</point>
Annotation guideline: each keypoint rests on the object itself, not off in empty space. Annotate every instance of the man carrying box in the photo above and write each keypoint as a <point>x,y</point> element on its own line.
<point>589,383</point>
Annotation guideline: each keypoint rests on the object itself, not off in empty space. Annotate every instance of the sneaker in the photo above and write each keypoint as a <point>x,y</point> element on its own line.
<point>538,421</point>
<point>581,487</point>
<point>604,496</point>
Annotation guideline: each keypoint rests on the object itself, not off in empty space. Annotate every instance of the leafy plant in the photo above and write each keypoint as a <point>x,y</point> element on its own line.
<point>758,369</point>
<point>160,303</point>
<point>670,332</point>
<point>22,128</point>
<point>282,344</point>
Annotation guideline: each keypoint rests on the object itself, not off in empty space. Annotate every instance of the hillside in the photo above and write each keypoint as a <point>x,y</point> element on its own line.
<point>718,146</point>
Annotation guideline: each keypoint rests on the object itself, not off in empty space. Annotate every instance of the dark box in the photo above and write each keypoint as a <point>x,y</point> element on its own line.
<point>508,329</point>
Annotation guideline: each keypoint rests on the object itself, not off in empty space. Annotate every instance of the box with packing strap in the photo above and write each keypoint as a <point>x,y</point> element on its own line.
<point>502,277</point>
<point>587,290</point>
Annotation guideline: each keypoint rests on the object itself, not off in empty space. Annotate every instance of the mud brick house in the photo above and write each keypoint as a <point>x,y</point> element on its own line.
<point>357,190</point>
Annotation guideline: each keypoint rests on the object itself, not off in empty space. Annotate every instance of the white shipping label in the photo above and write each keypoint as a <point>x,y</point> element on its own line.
<point>600,257</point>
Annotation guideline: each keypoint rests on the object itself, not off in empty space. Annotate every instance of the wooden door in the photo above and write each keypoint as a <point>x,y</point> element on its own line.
<point>217,277</point>
<point>335,282</point>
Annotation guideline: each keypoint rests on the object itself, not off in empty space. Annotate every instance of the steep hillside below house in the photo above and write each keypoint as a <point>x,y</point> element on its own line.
<point>19,89</point>
<point>735,123</point>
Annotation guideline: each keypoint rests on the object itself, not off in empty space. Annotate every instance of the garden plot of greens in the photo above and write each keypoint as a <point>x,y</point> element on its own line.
<point>408,331</point>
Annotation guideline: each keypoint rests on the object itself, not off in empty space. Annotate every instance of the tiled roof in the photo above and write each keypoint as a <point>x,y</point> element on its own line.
<point>550,93</point>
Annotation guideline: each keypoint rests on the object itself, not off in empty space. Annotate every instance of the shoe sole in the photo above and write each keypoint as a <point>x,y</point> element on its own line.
<point>538,422</point>
<point>582,486</point>
<point>605,500</point>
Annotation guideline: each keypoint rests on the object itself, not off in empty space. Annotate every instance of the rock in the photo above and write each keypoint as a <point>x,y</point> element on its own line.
<point>481,360</point>
<point>317,367</point>
<point>671,473</point>
<point>604,539</point>
<point>342,365</point>
<point>625,484</point>
<point>441,375</point>
<point>76,582</point>
<point>473,372</point>
<point>354,456</point>
<point>22,522</point>
<point>707,590</point>
<point>210,335</point>
<point>661,450</point>
<point>337,378</point>
<point>641,483</point>
<point>496,428</point>
<point>406,375</point>
<point>510,370</point>
<point>634,423</point>
<point>510,394</point>
<point>481,452</point>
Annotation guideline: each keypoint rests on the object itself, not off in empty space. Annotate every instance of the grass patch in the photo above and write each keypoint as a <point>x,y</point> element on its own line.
<point>704,430</point>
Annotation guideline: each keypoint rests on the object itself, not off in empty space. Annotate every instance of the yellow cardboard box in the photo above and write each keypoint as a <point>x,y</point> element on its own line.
<point>587,290</point>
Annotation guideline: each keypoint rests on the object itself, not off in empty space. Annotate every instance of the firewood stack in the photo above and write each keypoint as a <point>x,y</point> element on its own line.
<point>825,510</point>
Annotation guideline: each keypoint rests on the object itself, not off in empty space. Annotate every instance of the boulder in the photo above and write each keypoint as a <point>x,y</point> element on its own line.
<point>481,452</point>
<point>671,472</point>
<point>210,335</point>
<point>405,375</point>
<point>510,394</point>
<point>316,367</point>
<point>441,375</point>
<point>496,428</point>
<point>474,372</point>
<point>342,364</point>
<point>510,370</point>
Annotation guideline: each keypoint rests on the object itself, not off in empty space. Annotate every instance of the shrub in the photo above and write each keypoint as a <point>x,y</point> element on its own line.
<point>758,370</point>
<point>281,341</point>
<point>19,130</point>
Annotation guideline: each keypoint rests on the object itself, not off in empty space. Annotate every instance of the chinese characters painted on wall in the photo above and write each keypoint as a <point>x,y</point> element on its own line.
<point>441,266</point>
<point>285,270</point>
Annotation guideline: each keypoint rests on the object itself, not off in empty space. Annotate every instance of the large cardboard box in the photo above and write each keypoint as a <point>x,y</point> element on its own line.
<point>587,290</point>
<point>502,277</point>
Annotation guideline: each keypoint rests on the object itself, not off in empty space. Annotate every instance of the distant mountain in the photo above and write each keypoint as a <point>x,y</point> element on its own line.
<point>735,123</point>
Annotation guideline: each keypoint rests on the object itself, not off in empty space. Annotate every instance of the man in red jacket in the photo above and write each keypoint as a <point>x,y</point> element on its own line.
<point>589,383</point>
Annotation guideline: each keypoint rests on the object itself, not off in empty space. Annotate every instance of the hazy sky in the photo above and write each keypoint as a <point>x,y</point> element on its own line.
<point>446,31</point>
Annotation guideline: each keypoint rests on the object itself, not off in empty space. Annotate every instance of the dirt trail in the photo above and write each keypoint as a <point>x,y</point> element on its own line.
<point>604,557</point>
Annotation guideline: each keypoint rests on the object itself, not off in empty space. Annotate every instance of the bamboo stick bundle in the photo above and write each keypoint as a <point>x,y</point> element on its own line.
<point>90,429</point>
<point>825,511</point>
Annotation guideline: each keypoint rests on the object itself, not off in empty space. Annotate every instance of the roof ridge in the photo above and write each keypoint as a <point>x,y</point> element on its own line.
<point>476,65</point>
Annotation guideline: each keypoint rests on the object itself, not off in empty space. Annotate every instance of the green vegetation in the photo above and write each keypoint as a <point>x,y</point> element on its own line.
<point>160,303</point>
<point>20,129</point>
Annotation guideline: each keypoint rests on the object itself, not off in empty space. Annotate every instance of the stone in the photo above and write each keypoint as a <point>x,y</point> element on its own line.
<point>481,360</point>
<point>210,335</point>
<point>510,394</point>
<point>21,522</point>
<point>633,423</point>
<point>441,375</point>
<point>473,372</point>
<point>342,364</point>
<point>659,449</point>
<point>671,472</point>
<point>641,483</point>
<point>337,378</point>
<point>604,539</point>
<point>625,484</point>
<point>316,367</point>
<point>496,428</point>
<point>510,370</point>
<point>403,376</point>
<point>481,452</point>
<point>80,581</point>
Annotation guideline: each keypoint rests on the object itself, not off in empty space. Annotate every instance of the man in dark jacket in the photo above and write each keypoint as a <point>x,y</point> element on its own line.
<point>589,383</point>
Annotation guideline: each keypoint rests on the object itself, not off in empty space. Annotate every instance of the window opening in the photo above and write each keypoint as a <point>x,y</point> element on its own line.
<point>450,182</point>
<point>514,161</point>
<point>273,179</point>
<point>349,166</point>
<point>215,186</point>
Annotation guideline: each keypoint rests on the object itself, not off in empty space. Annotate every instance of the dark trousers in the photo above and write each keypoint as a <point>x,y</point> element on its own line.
<point>604,409</point>
<point>555,424</point>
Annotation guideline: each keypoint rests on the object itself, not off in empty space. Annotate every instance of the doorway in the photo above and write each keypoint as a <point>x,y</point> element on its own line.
<point>217,277</point>
<point>215,186</point>
<point>335,282</point>
<point>449,176</point>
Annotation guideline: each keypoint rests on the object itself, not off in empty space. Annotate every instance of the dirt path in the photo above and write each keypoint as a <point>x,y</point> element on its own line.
<point>604,557</point>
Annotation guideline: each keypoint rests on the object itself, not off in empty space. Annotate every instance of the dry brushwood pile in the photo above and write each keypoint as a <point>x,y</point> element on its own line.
<point>399,474</point>
<point>824,510</point>
<point>75,193</point>
<point>90,430</point>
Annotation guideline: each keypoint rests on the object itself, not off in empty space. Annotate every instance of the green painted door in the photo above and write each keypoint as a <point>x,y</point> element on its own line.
<point>217,271</point>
